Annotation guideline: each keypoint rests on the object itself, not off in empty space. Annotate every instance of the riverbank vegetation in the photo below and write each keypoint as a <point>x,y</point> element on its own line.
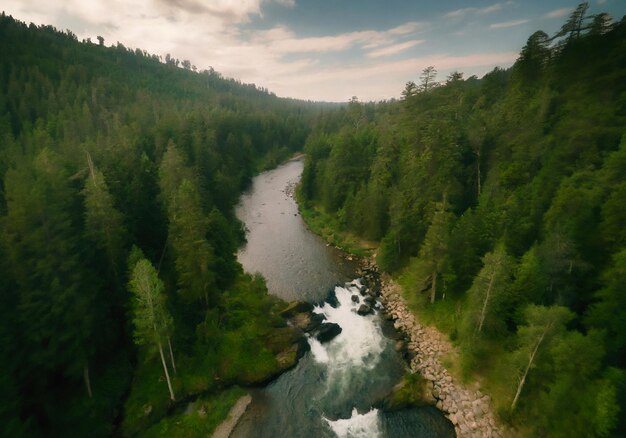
<point>121,298</point>
<point>498,203</point>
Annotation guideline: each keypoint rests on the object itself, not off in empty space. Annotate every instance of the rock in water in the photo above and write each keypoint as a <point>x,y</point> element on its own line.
<point>332,298</point>
<point>355,298</point>
<point>364,309</point>
<point>328,331</point>
<point>315,321</point>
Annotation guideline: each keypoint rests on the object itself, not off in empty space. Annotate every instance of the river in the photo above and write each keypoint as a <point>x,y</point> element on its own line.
<point>332,390</point>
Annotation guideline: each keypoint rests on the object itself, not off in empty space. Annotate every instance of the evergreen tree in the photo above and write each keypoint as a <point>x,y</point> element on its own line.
<point>57,303</point>
<point>104,224</point>
<point>435,246</point>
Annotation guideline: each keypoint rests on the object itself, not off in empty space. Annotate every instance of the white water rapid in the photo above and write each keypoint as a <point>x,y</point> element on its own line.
<point>357,426</point>
<point>349,356</point>
<point>333,389</point>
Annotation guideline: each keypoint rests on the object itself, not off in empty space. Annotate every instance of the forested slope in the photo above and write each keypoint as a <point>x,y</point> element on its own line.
<point>500,205</point>
<point>104,149</point>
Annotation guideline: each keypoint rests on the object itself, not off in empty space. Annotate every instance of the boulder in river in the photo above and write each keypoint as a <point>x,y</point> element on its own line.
<point>369,300</point>
<point>364,309</point>
<point>315,320</point>
<point>332,299</point>
<point>327,331</point>
<point>355,298</point>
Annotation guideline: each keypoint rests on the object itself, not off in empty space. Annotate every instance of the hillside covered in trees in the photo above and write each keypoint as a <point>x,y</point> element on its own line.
<point>499,204</point>
<point>120,290</point>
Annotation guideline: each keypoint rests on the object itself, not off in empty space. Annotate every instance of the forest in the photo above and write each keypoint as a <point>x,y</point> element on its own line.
<point>499,205</point>
<point>121,294</point>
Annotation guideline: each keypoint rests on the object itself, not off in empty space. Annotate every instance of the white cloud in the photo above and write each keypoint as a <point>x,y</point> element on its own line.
<point>212,33</point>
<point>282,41</point>
<point>558,13</point>
<point>407,28</point>
<point>507,24</point>
<point>286,3</point>
<point>393,50</point>
<point>384,79</point>
<point>468,11</point>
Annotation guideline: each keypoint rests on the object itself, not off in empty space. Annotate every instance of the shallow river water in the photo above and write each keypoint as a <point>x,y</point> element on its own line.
<point>332,390</point>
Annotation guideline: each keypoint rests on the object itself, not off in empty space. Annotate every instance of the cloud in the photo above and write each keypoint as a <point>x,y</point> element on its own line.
<point>286,3</point>
<point>283,41</point>
<point>383,79</point>
<point>558,13</point>
<point>393,50</point>
<point>213,33</point>
<point>479,11</point>
<point>507,24</point>
<point>410,27</point>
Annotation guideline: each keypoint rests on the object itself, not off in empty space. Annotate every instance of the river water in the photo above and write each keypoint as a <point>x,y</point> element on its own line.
<point>332,390</point>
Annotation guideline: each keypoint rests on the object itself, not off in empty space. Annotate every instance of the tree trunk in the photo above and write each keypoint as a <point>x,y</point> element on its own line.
<point>169,344</point>
<point>167,374</point>
<point>87,379</point>
<point>484,309</point>
<point>433,288</point>
<point>530,363</point>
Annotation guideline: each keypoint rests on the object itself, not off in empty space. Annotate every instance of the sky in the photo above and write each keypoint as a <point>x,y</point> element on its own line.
<point>324,50</point>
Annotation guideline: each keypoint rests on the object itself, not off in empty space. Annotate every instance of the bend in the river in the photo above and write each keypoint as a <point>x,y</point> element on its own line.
<point>331,392</point>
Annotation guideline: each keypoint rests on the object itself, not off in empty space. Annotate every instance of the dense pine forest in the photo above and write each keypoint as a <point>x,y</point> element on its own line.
<point>499,204</point>
<point>121,293</point>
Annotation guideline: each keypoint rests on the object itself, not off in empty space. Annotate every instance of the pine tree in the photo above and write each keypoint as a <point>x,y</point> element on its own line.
<point>104,224</point>
<point>435,246</point>
<point>57,305</point>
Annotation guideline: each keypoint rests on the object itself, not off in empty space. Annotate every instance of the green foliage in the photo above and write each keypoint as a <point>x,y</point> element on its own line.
<point>609,312</point>
<point>483,314</point>
<point>201,419</point>
<point>530,165</point>
<point>410,392</point>
<point>104,149</point>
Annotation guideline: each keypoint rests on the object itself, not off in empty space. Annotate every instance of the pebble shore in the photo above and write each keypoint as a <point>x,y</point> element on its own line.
<point>468,409</point>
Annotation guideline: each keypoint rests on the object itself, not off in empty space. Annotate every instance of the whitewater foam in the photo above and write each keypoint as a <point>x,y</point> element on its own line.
<point>361,341</point>
<point>357,426</point>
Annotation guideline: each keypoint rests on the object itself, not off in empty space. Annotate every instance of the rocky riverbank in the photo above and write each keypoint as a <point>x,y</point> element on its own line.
<point>468,409</point>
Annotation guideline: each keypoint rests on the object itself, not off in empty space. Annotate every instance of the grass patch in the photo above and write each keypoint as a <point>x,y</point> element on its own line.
<point>411,391</point>
<point>200,418</point>
<point>328,227</point>
<point>238,343</point>
<point>149,398</point>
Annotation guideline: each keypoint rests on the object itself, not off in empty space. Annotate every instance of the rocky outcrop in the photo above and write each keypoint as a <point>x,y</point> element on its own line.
<point>468,409</point>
